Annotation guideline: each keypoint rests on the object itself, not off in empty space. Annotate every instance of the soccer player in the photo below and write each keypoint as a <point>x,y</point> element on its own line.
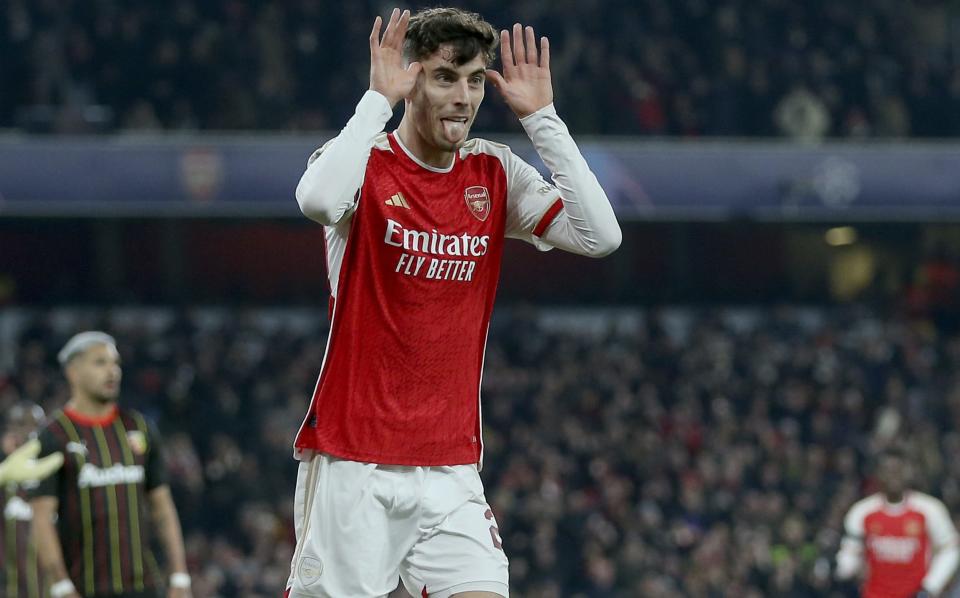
<point>904,539</point>
<point>91,519</point>
<point>20,575</point>
<point>414,222</point>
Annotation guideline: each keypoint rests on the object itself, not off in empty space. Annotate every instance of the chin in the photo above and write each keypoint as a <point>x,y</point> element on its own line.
<point>446,146</point>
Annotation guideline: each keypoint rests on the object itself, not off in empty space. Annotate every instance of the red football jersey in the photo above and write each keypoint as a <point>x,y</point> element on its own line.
<point>898,541</point>
<point>413,274</point>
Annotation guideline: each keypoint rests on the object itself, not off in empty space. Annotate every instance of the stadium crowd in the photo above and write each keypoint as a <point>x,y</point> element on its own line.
<point>878,68</point>
<point>681,452</point>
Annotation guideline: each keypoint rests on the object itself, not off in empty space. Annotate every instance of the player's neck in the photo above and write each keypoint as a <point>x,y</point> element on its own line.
<point>90,407</point>
<point>414,143</point>
<point>895,499</point>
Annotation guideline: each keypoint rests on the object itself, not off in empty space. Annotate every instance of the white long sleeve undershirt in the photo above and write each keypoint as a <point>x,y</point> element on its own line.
<point>942,567</point>
<point>587,224</point>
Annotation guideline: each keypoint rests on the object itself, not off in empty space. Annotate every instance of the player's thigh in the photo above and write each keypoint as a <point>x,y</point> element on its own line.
<point>462,554</point>
<point>350,545</point>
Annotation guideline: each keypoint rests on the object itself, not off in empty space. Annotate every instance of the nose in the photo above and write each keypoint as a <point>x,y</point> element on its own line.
<point>461,93</point>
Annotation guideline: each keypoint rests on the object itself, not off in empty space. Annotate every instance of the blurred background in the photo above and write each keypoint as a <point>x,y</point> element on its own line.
<point>691,416</point>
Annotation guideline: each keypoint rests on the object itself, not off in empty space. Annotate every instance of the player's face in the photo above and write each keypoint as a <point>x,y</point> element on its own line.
<point>893,475</point>
<point>446,98</point>
<point>11,440</point>
<point>18,431</point>
<point>97,373</point>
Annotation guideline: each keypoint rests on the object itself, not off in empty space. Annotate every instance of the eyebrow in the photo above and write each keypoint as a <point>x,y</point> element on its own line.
<point>446,69</point>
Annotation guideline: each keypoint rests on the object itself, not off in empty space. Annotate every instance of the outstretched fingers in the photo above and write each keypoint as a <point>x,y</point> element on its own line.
<point>531,46</point>
<point>396,29</point>
<point>506,51</point>
<point>519,53</point>
<point>520,48</point>
<point>375,34</point>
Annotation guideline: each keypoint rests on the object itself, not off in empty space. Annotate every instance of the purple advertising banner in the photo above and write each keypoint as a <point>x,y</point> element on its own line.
<point>689,180</point>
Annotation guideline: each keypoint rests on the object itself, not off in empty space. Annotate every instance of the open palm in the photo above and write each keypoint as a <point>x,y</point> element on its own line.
<point>525,83</point>
<point>388,76</point>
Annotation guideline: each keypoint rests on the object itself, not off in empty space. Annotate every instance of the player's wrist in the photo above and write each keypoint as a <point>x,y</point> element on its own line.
<point>392,100</point>
<point>180,580</point>
<point>62,588</point>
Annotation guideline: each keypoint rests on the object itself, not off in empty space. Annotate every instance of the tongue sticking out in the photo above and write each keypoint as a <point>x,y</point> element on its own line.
<point>453,130</point>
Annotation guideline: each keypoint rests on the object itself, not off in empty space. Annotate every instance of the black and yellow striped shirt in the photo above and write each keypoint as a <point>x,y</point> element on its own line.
<point>20,575</point>
<point>110,466</point>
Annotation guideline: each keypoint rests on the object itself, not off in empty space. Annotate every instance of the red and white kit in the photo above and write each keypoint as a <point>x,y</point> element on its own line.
<point>905,547</point>
<point>413,254</point>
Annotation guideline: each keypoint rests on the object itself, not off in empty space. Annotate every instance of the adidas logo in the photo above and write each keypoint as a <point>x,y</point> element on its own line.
<point>398,200</point>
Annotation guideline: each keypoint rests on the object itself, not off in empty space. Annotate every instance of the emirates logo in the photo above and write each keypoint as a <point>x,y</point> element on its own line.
<point>478,202</point>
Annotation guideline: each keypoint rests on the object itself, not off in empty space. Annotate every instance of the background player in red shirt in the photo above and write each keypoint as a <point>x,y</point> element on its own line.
<point>903,540</point>
<point>414,224</point>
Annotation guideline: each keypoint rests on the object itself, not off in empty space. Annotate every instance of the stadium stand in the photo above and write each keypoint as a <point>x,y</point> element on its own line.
<point>694,452</point>
<point>651,67</point>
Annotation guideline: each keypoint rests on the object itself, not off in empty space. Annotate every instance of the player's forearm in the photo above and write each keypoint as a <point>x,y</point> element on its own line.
<point>849,559</point>
<point>587,224</point>
<point>167,524</point>
<point>327,189</point>
<point>943,566</point>
<point>49,550</point>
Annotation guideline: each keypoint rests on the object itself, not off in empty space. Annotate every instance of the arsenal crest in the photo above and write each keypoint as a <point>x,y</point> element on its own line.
<point>478,201</point>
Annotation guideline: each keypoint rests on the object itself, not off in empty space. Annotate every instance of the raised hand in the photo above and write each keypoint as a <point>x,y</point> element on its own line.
<point>525,83</point>
<point>387,73</point>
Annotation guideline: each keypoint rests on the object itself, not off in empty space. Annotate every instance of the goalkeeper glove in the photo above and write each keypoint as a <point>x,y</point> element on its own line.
<point>22,464</point>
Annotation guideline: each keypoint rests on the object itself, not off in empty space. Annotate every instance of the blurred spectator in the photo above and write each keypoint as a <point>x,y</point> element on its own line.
<point>700,453</point>
<point>801,115</point>
<point>684,67</point>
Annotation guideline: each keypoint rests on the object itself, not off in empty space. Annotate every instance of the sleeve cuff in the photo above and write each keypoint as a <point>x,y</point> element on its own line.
<point>548,110</point>
<point>374,108</point>
<point>544,124</point>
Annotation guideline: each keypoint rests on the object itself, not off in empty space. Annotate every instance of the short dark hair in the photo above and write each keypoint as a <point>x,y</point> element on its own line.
<point>466,32</point>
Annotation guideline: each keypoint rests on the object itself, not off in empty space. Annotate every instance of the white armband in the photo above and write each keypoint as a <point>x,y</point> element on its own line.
<point>179,580</point>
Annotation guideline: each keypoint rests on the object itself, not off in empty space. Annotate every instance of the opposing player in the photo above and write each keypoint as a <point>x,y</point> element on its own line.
<point>91,519</point>
<point>20,573</point>
<point>902,540</point>
<point>414,222</point>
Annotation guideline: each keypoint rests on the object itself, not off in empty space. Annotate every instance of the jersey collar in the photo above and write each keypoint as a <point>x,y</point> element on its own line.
<point>397,144</point>
<point>86,420</point>
<point>895,508</point>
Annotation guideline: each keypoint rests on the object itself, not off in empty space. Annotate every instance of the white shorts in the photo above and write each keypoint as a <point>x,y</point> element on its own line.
<point>360,526</point>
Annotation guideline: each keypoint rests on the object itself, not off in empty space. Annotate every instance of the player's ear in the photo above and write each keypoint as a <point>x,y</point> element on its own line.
<point>70,370</point>
<point>415,67</point>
